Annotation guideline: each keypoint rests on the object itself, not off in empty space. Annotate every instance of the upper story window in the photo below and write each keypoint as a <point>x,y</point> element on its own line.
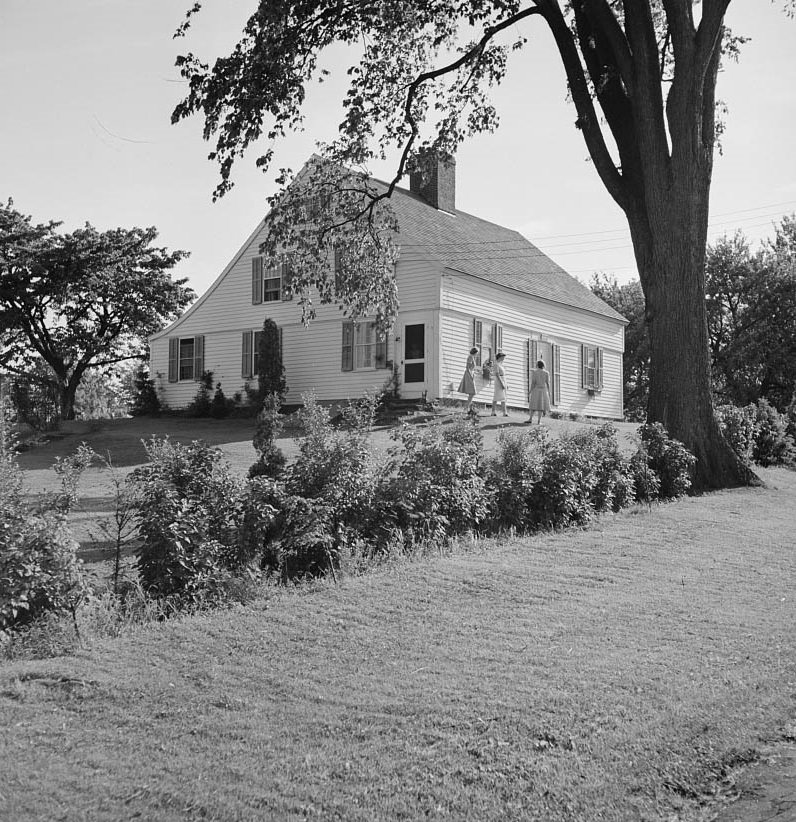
<point>270,283</point>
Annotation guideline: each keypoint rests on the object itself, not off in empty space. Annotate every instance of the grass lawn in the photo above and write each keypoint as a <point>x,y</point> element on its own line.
<point>617,673</point>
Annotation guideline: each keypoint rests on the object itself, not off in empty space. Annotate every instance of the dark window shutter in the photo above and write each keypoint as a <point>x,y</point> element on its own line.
<point>246,355</point>
<point>198,357</point>
<point>555,375</point>
<point>497,338</point>
<point>477,339</point>
<point>257,280</point>
<point>348,347</point>
<point>584,380</point>
<point>598,368</point>
<point>174,354</point>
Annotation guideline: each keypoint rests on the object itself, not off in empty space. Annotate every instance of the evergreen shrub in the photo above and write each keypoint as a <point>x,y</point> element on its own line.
<point>146,402</point>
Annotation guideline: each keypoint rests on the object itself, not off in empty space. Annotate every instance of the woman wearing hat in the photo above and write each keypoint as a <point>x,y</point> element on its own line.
<point>500,384</point>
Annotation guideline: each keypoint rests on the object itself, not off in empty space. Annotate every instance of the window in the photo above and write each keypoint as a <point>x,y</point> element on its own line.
<point>250,353</point>
<point>270,284</point>
<point>591,359</point>
<point>186,358</point>
<point>363,347</point>
<point>488,339</point>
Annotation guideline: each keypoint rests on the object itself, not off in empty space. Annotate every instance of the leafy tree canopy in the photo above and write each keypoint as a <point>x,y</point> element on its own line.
<point>752,317</point>
<point>81,300</point>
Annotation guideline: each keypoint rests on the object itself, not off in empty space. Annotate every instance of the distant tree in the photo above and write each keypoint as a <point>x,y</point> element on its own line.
<point>628,300</point>
<point>270,370</point>
<point>751,309</point>
<point>641,75</point>
<point>83,300</point>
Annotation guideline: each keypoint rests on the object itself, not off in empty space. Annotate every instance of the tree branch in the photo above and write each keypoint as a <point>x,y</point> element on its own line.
<point>472,54</point>
<point>587,121</point>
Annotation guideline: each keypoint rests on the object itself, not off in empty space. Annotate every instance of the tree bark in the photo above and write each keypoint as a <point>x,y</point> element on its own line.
<point>671,268</point>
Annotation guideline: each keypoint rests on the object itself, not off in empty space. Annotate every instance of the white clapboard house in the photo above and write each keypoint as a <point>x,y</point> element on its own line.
<point>462,282</point>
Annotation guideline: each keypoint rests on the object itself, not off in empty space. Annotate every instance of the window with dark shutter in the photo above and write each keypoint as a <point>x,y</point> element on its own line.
<point>174,354</point>
<point>246,356</point>
<point>199,357</point>
<point>555,375</point>
<point>591,358</point>
<point>347,363</point>
<point>257,280</point>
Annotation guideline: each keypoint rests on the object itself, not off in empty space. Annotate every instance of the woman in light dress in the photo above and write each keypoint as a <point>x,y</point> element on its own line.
<point>467,385</point>
<point>500,384</point>
<point>539,395</point>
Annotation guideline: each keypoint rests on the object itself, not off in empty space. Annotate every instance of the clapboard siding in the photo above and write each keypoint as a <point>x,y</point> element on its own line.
<point>521,316</point>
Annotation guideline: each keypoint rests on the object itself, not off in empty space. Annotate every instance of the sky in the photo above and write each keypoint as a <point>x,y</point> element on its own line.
<point>87,88</point>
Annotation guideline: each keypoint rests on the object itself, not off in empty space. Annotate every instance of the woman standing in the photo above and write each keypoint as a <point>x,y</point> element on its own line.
<point>500,384</point>
<point>539,395</point>
<point>467,385</point>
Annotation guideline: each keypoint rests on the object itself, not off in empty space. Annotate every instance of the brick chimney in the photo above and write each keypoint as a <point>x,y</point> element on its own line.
<point>435,180</point>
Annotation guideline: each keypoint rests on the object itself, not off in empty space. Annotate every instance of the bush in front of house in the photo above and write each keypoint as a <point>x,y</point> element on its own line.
<point>145,401</point>
<point>668,459</point>
<point>435,486</point>
<point>334,466</point>
<point>189,507</point>
<point>268,425</point>
<point>511,474</point>
<point>614,485</point>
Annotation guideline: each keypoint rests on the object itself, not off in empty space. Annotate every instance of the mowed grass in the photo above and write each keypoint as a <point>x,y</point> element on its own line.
<point>616,673</point>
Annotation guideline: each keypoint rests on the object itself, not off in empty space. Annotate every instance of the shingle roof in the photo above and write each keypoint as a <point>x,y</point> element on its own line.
<point>482,249</point>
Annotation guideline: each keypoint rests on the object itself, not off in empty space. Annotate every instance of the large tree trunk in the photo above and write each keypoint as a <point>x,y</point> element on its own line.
<point>672,274</point>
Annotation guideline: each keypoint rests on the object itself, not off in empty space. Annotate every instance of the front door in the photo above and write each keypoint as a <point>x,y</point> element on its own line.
<point>414,357</point>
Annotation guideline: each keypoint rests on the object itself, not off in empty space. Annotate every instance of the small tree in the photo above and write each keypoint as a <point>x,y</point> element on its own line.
<point>270,371</point>
<point>145,396</point>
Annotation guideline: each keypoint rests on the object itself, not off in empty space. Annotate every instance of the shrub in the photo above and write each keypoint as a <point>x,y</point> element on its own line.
<point>790,416</point>
<point>39,568</point>
<point>614,486</point>
<point>511,474</point>
<point>146,402</point>
<point>773,445</point>
<point>189,508</point>
<point>562,494</point>
<point>740,429</point>
<point>270,459</point>
<point>334,467</point>
<point>668,458</point>
<point>200,407</point>
<point>270,370</point>
<point>219,405</point>
<point>436,487</point>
